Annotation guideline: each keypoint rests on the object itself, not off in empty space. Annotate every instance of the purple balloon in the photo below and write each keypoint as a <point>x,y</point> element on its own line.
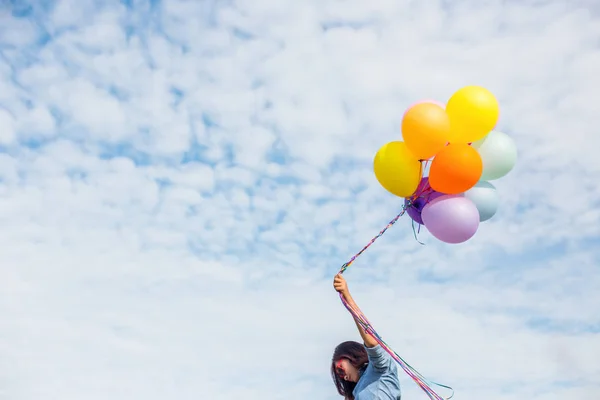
<point>451,218</point>
<point>423,196</point>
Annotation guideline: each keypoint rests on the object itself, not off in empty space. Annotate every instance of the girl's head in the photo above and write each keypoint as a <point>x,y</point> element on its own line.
<point>348,359</point>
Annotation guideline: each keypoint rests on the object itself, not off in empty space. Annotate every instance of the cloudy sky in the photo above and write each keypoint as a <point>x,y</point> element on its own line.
<point>181,180</point>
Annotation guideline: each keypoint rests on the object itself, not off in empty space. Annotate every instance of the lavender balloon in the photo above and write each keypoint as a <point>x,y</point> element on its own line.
<point>451,218</point>
<point>424,195</point>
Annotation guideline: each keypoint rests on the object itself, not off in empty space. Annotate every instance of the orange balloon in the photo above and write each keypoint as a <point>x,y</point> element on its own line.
<point>455,169</point>
<point>425,129</point>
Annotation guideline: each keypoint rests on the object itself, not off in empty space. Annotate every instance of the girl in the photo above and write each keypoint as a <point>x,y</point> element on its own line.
<point>363,371</point>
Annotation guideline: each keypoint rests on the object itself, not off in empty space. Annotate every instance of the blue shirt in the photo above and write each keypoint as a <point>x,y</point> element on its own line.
<point>379,381</point>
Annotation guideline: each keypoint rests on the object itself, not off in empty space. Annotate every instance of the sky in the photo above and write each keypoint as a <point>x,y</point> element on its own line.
<point>181,180</point>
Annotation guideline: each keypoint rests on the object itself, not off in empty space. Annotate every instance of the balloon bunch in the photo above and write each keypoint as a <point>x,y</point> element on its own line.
<point>465,154</point>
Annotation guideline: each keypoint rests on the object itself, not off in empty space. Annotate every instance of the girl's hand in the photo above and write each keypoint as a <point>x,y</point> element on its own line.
<point>340,285</point>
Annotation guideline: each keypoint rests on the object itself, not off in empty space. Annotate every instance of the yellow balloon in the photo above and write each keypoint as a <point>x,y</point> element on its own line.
<point>473,113</point>
<point>397,169</point>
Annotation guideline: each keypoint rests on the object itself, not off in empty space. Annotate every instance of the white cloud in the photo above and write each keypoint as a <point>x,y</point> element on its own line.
<point>7,127</point>
<point>38,122</point>
<point>179,182</point>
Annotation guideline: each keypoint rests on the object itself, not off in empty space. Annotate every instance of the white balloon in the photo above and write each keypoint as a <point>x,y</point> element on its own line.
<point>498,153</point>
<point>485,198</point>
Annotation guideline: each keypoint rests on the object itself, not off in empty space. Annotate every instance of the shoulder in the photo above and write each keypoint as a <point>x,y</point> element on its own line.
<point>379,359</point>
<point>377,351</point>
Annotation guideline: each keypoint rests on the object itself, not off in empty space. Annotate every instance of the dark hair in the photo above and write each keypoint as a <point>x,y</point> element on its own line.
<point>356,354</point>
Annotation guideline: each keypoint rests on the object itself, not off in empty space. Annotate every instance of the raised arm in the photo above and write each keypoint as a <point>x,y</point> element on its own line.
<point>340,285</point>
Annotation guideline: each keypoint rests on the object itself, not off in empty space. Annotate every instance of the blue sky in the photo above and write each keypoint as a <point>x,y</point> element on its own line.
<point>180,181</point>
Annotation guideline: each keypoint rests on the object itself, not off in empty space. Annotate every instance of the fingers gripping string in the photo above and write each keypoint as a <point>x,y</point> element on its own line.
<point>419,379</point>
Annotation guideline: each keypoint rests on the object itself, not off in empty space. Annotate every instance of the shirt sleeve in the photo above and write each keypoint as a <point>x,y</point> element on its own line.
<point>379,358</point>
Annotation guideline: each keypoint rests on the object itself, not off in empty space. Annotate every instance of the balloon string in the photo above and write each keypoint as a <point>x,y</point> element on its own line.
<point>419,379</point>
<point>392,222</point>
<point>425,192</point>
<point>416,231</point>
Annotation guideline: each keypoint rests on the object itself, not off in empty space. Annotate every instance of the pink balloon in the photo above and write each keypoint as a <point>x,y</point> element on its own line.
<point>451,218</point>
